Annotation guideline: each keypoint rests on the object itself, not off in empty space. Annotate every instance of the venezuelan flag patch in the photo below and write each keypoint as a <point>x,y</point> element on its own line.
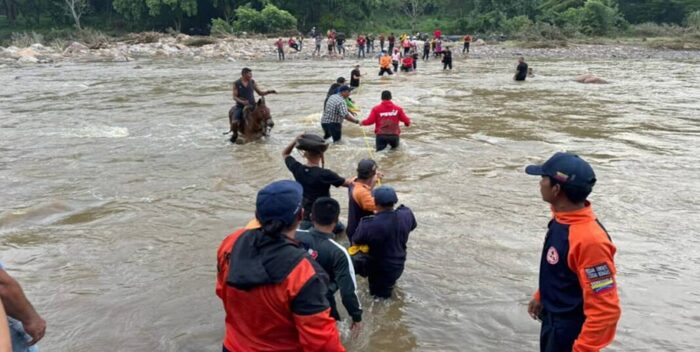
<point>601,286</point>
<point>600,277</point>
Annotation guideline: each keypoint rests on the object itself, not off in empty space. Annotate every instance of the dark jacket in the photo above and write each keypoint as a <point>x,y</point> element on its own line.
<point>386,233</point>
<point>274,296</point>
<point>336,261</point>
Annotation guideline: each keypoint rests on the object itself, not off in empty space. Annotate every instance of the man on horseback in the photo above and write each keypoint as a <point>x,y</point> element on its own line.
<point>243,94</point>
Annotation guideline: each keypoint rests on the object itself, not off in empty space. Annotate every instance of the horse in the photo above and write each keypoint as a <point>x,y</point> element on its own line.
<point>257,122</point>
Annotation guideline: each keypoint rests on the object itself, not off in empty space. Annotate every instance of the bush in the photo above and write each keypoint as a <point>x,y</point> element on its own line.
<point>221,27</point>
<point>599,18</point>
<point>270,20</point>
<point>693,20</point>
<point>655,30</point>
<point>199,41</point>
<point>25,39</point>
<point>516,25</point>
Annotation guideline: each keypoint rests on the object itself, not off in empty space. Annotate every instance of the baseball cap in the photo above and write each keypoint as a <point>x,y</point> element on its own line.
<point>384,195</point>
<point>568,169</point>
<point>366,168</point>
<point>340,80</point>
<point>344,88</point>
<point>280,200</point>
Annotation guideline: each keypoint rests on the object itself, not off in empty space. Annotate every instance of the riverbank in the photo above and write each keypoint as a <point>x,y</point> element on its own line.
<point>163,46</point>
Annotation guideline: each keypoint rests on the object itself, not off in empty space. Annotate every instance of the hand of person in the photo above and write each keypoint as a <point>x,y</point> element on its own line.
<point>355,329</point>
<point>534,308</point>
<point>380,174</point>
<point>245,102</point>
<point>272,91</point>
<point>36,329</point>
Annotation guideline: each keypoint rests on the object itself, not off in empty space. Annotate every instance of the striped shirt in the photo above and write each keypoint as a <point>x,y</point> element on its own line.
<point>336,110</point>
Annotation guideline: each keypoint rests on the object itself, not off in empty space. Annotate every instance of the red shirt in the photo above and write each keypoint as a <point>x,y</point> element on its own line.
<point>408,61</point>
<point>361,41</point>
<point>291,42</point>
<point>386,117</point>
<point>279,44</point>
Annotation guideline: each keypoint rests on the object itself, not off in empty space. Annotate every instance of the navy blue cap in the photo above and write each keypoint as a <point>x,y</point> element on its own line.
<point>566,168</point>
<point>344,88</point>
<point>280,200</point>
<point>384,195</point>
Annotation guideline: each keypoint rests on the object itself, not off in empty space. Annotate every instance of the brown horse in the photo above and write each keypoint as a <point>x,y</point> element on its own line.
<point>257,122</point>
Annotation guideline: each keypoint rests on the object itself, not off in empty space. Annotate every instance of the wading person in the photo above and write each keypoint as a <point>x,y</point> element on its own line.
<point>395,58</point>
<point>243,95</point>
<point>386,117</point>
<point>360,200</point>
<point>386,234</point>
<point>392,40</point>
<point>25,326</point>
<point>333,258</point>
<point>317,42</point>
<point>407,63</point>
<point>313,177</point>
<point>273,292</point>
<point>355,77</point>
<point>280,49</point>
<point>385,64</point>
<point>335,111</point>
<point>467,42</point>
<point>447,58</point>
<point>339,82</point>
<point>577,299</point>
<point>521,70</point>
<point>426,50</point>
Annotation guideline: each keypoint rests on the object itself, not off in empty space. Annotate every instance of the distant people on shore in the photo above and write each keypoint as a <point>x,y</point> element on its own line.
<point>467,42</point>
<point>293,44</point>
<point>280,49</point>
<point>521,70</point>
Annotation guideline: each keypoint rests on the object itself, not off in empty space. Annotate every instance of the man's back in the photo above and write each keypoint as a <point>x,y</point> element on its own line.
<point>386,233</point>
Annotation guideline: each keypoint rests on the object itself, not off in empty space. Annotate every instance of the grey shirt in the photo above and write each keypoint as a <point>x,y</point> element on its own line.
<point>336,109</point>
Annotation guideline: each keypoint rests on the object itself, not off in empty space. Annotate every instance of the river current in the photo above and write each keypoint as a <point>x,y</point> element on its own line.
<point>118,187</point>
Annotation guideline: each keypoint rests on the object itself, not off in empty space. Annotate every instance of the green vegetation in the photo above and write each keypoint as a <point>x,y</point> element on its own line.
<point>527,20</point>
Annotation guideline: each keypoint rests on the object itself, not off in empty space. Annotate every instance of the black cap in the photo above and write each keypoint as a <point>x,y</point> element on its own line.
<point>340,80</point>
<point>384,196</point>
<point>366,168</point>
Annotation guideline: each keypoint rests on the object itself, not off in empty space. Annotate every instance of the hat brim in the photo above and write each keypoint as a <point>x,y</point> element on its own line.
<point>535,170</point>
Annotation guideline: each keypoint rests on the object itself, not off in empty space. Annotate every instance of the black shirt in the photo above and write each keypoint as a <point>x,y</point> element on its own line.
<point>315,180</point>
<point>245,92</point>
<point>353,81</point>
<point>522,72</point>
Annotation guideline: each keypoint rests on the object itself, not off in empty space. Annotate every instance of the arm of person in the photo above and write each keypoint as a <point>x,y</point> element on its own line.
<point>262,93</point>
<point>371,119</point>
<point>362,235</point>
<point>403,118</point>
<point>18,306</point>
<point>364,198</point>
<point>317,330</point>
<point>348,116</point>
<point>345,277</point>
<point>331,178</point>
<point>593,263</point>
<point>234,92</point>
<point>287,151</point>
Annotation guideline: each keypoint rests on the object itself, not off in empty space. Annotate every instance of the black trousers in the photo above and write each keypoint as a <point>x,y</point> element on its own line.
<point>382,140</point>
<point>332,129</point>
<point>387,70</point>
<point>447,64</point>
<point>559,331</point>
<point>383,277</point>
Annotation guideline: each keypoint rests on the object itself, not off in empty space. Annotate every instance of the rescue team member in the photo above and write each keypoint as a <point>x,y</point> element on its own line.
<point>385,64</point>
<point>333,258</point>
<point>335,111</point>
<point>577,298</point>
<point>313,177</point>
<point>273,292</point>
<point>24,325</point>
<point>407,63</point>
<point>386,117</point>
<point>360,200</point>
<point>386,234</point>
<point>243,95</point>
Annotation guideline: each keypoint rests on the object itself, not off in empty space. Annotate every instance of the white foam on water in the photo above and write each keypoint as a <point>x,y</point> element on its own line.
<point>91,131</point>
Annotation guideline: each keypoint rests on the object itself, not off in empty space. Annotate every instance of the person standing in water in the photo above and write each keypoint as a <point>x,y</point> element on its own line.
<point>577,300</point>
<point>386,117</point>
<point>521,70</point>
<point>280,49</point>
<point>355,77</point>
<point>447,58</point>
<point>385,64</point>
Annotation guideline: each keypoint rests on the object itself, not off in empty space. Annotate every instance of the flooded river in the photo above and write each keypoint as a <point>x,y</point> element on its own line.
<point>118,186</point>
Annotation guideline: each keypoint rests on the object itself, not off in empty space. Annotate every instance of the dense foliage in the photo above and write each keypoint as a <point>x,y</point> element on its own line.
<point>547,17</point>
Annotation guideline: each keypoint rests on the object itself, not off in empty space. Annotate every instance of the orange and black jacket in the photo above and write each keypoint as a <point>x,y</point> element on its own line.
<point>274,295</point>
<point>577,276</point>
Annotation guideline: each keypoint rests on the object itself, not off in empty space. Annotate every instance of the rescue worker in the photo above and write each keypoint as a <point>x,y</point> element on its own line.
<point>334,259</point>
<point>273,292</point>
<point>386,117</point>
<point>335,112</point>
<point>385,64</point>
<point>243,95</point>
<point>360,200</point>
<point>313,177</point>
<point>577,299</point>
<point>386,234</point>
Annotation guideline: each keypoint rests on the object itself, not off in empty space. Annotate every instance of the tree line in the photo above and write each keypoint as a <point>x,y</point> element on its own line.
<point>589,17</point>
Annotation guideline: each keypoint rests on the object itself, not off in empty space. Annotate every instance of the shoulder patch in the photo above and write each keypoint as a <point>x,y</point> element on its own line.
<point>600,277</point>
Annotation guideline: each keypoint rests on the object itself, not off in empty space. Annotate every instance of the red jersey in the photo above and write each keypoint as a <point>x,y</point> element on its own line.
<point>386,117</point>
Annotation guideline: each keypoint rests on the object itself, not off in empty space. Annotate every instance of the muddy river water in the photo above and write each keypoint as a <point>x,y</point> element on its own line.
<point>118,186</point>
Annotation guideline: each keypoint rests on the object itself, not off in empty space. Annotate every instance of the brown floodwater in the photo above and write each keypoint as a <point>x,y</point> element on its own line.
<point>118,186</point>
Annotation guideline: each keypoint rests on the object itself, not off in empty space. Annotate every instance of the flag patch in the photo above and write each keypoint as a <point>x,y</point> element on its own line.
<point>600,286</point>
<point>598,271</point>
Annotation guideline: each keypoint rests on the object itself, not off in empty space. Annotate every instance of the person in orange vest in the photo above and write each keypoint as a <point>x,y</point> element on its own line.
<point>385,64</point>
<point>577,299</point>
<point>467,42</point>
<point>273,292</point>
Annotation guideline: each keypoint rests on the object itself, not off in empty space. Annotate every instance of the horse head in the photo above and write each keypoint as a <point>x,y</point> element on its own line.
<point>265,117</point>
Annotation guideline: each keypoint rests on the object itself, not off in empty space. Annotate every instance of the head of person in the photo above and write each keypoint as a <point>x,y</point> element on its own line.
<point>521,59</point>
<point>247,73</point>
<point>340,80</point>
<point>366,169</point>
<point>384,197</point>
<point>345,91</point>
<point>325,212</point>
<point>312,145</point>
<point>386,95</point>
<point>357,66</point>
<point>278,207</point>
<point>565,178</point>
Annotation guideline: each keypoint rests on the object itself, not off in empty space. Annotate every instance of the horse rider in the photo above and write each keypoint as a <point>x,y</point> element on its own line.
<point>243,94</point>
